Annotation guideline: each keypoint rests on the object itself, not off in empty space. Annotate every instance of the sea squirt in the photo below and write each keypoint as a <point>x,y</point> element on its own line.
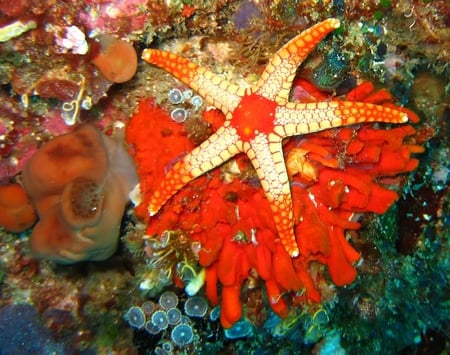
<point>16,211</point>
<point>116,59</point>
<point>79,183</point>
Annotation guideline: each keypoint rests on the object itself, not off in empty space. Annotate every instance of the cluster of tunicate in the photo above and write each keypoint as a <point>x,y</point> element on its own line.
<point>171,253</point>
<point>214,315</point>
<point>195,306</point>
<point>135,317</point>
<point>166,348</point>
<point>187,99</point>
<point>165,319</point>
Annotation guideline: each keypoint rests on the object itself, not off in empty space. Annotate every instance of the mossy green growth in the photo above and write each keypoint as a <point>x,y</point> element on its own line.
<point>378,15</point>
<point>108,331</point>
<point>340,30</point>
<point>385,3</point>
<point>15,58</point>
<point>2,271</point>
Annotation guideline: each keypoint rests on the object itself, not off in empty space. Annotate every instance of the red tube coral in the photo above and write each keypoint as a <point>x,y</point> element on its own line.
<point>334,174</point>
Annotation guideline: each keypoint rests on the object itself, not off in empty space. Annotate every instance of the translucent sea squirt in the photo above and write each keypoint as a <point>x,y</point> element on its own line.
<point>116,59</point>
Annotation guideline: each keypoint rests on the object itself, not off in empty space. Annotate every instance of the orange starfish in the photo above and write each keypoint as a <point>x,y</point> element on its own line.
<point>257,120</point>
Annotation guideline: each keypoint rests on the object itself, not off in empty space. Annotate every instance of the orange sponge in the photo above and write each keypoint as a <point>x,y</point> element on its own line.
<point>116,59</point>
<point>79,183</point>
<point>16,211</point>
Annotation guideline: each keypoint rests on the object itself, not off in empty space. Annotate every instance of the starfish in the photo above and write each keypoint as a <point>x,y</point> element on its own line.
<point>257,119</point>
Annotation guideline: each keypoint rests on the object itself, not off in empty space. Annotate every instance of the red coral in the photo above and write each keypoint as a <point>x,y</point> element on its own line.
<point>156,142</point>
<point>334,174</point>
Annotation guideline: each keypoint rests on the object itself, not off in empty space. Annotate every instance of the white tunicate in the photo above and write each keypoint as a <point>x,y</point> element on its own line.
<point>168,300</point>
<point>159,318</point>
<point>135,317</point>
<point>182,335</point>
<point>152,328</point>
<point>178,115</point>
<point>187,94</point>
<point>196,306</point>
<point>174,316</point>
<point>196,101</point>
<point>175,96</point>
<point>148,307</point>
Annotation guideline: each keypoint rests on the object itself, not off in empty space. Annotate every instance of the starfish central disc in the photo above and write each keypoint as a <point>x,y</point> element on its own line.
<point>252,116</point>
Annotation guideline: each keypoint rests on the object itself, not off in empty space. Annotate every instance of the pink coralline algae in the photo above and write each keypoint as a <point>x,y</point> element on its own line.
<point>74,40</point>
<point>16,142</point>
<point>114,16</point>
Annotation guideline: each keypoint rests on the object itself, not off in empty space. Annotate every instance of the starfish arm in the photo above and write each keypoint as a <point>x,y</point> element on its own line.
<point>214,89</point>
<point>276,80</point>
<point>300,118</point>
<point>267,157</point>
<point>217,149</point>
